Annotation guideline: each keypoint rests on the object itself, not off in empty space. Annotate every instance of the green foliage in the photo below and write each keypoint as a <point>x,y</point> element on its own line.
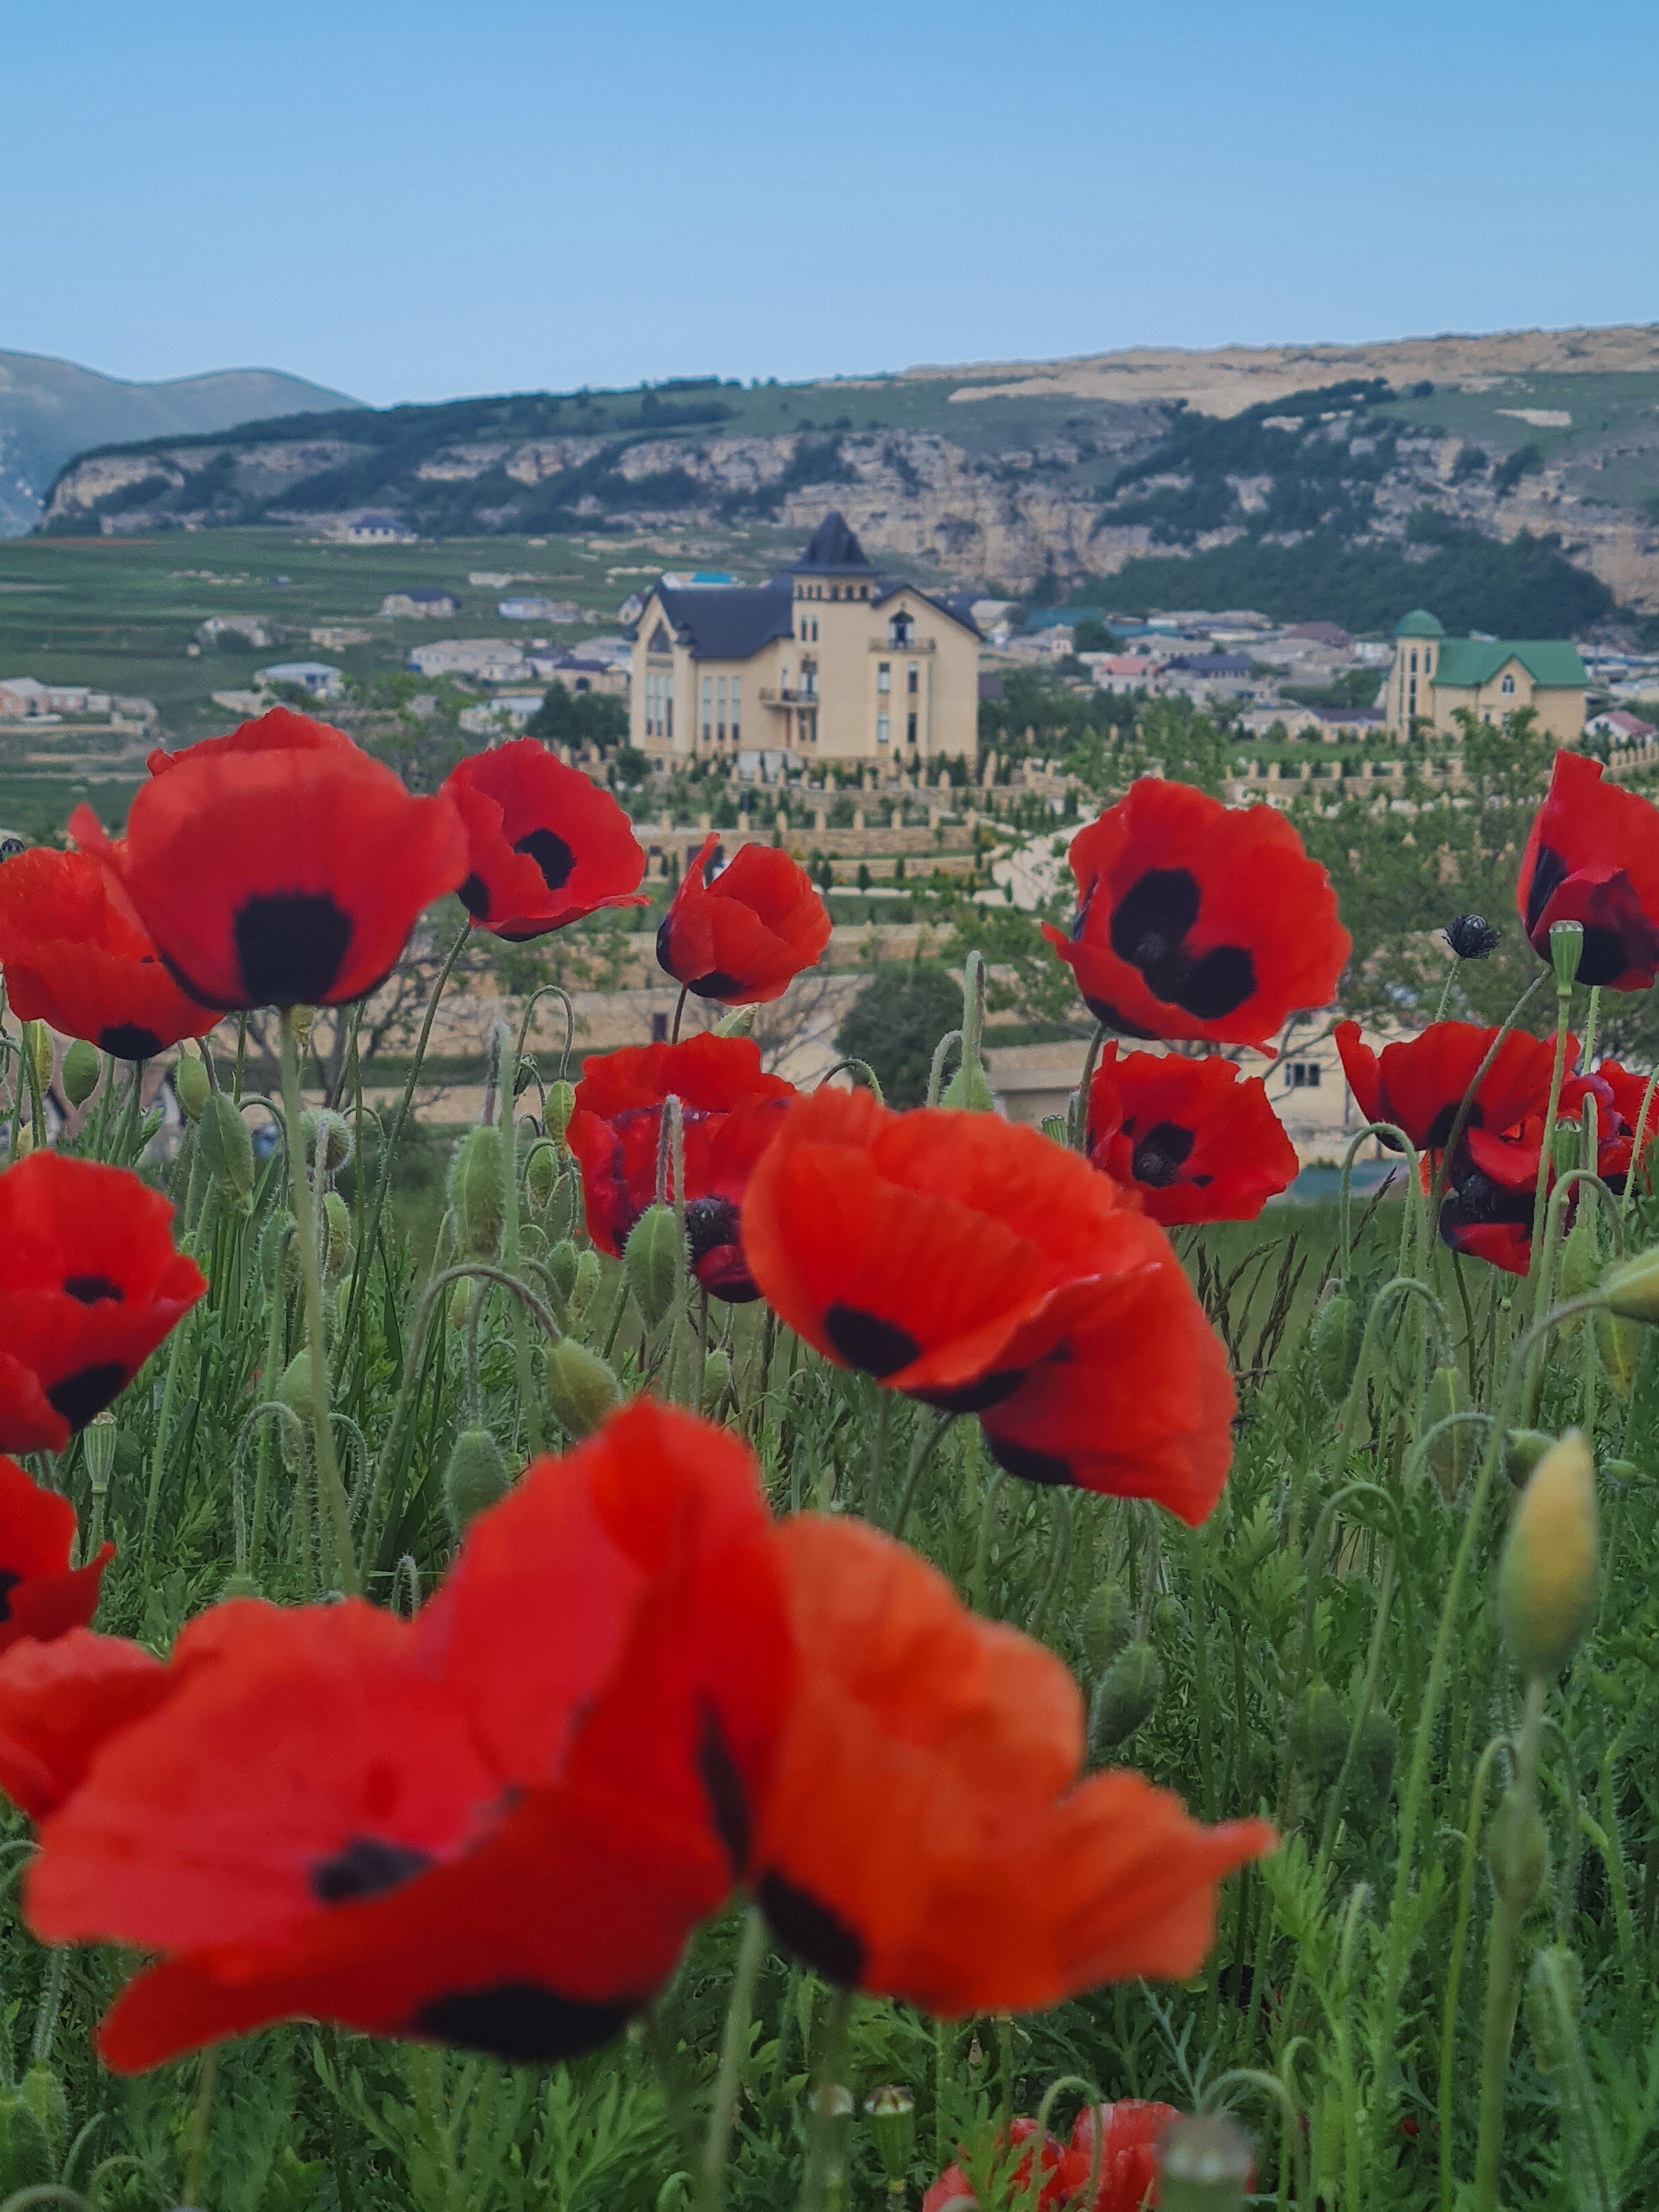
<point>580,718</point>
<point>895,1024</point>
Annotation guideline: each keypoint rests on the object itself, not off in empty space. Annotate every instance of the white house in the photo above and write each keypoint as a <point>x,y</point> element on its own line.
<point>315,677</point>
<point>419,602</point>
<point>487,660</point>
<point>1619,727</point>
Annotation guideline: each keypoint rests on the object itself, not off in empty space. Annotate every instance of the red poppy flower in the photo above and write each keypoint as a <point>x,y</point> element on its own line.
<point>1197,919</point>
<point>977,1265</point>
<point>1191,1137</point>
<point>1621,1094</point>
<point>41,1596</point>
<point>272,870</point>
<point>926,1835</point>
<point>1490,1189</point>
<point>745,937</point>
<point>1127,2175</point>
<point>545,844</point>
<point>1420,1084</point>
<point>60,1702</point>
<point>731,1108</point>
<point>90,1283</point>
<point>494,1826</point>
<point>1593,857</point>
<point>73,958</point>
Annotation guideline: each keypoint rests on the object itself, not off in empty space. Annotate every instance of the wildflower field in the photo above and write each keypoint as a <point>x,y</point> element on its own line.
<point>817,1654</point>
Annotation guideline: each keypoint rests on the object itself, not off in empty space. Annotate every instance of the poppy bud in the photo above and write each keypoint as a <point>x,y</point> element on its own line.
<point>561,1267</point>
<point>227,1148</point>
<point>654,1261</point>
<point>294,1391</point>
<point>475,1479</point>
<point>23,1143</point>
<point>190,1080</point>
<point>327,1139</point>
<point>98,1442</point>
<point>716,1379</point>
<point>337,1253</point>
<point>1522,1450</point>
<point>586,1282</point>
<point>1471,936</point>
<point>302,1018</point>
<point>1517,1850</point>
<point>969,1089</point>
<point>1555,1966</point>
<point>892,2112</point>
<point>37,1047</point>
<point>237,1586</point>
<point>1632,1287</point>
<point>1206,2163</point>
<point>1620,1342</point>
<point>1581,1262</point>
<point>1449,1453</point>
<point>477,1191</point>
<point>1126,1698</point>
<point>541,1175</point>
<point>560,1106</point>
<point>738,1022</point>
<point>1334,1340</point>
<point>1319,1735</point>
<point>79,1074</point>
<point>34,2123</point>
<point>581,1389</point>
<point>1546,1576</point>
<point>1566,946</point>
<point>460,1301</point>
<point>1622,1470</point>
<point>1106,1626</point>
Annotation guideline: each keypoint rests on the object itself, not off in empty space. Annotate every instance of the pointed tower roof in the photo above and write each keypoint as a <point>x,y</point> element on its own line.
<point>832,551</point>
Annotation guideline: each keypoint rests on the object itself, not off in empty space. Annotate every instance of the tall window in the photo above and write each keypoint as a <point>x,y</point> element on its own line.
<point>898,629</point>
<point>884,676</point>
<point>1508,684</point>
<point>719,710</point>
<point>1414,661</point>
<point>910,731</point>
<point>884,730</point>
<point>915,684</point>
<point>736,707</point>
<point>707,708</point>
<point>815,630</point>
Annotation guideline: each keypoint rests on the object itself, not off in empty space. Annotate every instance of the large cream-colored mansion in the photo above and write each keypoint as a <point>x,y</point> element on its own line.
<point>830,661</point>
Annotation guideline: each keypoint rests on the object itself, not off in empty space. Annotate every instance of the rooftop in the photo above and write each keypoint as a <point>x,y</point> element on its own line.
<point>1420,622</point>
<point>832,551</point>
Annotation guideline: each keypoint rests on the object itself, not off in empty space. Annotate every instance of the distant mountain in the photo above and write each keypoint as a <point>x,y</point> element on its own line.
<point>50,410</point>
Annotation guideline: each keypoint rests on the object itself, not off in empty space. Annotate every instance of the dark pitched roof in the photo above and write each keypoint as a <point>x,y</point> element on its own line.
<point>956,604</point>
<point>1321,632</point>
<point>832,550</point>
<point>1211,664</point>
<point>721,625</point>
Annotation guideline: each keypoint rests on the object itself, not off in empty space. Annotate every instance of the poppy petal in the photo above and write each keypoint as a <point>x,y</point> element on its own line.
<point>60,1702</point>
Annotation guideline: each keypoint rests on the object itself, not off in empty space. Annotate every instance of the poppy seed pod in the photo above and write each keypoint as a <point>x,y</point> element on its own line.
<point>190,1080</point>
<point>1546,1576</point>
<point>227,1148</point>
<point>581,1390</point>
<point>560,1106</point>
<point>586,1282</point>
<point>1204,2164</point>
<point>654,1261</point>
<point>1451,1452</point>
<point>892,2112</point>
<point>1106,1626</point>
<point>1334,1340</point>
<point>1517,1850</point>
<point>1126,1698</point>
<point>98,1441</point>
<point>477,1192</point>
<point>79,1074</point>
<point>1566,944</point>
<point>1319,1735</point>
<point>1620,1344</point>
<point>475,1479</point>
<point>1632,1287</point>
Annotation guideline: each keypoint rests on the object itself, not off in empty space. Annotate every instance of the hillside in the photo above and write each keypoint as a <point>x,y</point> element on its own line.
<point>50,410</point>
<point>1043,476</point>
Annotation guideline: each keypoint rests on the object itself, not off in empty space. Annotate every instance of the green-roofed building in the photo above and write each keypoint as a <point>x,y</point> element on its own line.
<point>1434,675</point>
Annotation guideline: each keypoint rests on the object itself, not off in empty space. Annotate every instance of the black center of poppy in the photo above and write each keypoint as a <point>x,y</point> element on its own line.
<point>1549,873</point>
<point>474,895</point>
<point>126,1041</point>
<point>89,1289</point>
<point>1109,1017</point>
<point>521,2023</point>
<point>291,947</point>
<point>551,855</point>
<point>8,1582</point>
<point>812,1930</point>
<point>716,984</point>
<point>1149,929</point>
<point>710,1224</point>
<point>1437,1136</point>
<point>86,1392</point>
<point>1602,955</point>
<point>975,1397</point>
<point>1028,1465</point>
<point>865,1339</point>
<point>368,1866</point>
<point>727,1798</point>
<point>1161,1154</point>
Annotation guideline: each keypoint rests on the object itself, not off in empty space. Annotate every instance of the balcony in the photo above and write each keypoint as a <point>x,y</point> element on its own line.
<point>790,696</point>
<point>914,651</point>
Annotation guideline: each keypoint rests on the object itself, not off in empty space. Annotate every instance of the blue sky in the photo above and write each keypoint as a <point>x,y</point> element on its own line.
<point>411,201</point>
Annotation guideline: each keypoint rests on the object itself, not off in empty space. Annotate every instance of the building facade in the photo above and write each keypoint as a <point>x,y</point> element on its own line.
<point>829,661</point>
<point>1433,676</point>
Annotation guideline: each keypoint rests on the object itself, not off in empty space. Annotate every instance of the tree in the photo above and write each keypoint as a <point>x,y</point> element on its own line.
<point>1091,635</point>
<point>579,717</point>
<point>896,1023</point>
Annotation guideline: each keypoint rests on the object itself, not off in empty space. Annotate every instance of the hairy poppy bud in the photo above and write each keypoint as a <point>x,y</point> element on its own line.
<point>327,1139</point>
<point>1106,1626</point>
<point>541,1175</point>
<point>79,1074</point>
<point>1334,1340</point>
<point>23,1143</point>
<point>969,1089</point>
<point>1522,1450</point>
<point>561,1267</point>
<point>1471,936</point>
<point>460,1301</point>
<point>98,1441</point>
<point>1566,946</point>
<point>1555,1977</point>
<point>235,1586</point>
<point>586,1282</point>
<point>580,1389</point>
<point>561,1105</point>
<point>37,1048</point>
<point>1581,1263</point>
<point>1632,1287</point>
<point>1619,1343</point>
<point>34,2124</point>
<point>1546,1577</point>
<point>737,1023</point>
<point>337,1253</point>
<point>1204,2164</point>
<point>716,1380</point>
<point>227,1148</point>
<point>1450,1452</point>
<point>1126,1698</point>
<point>892,2112</point>
<point>294,1391</point>
<point>189,1080</point>
<point>1517,1850</point>
<point>1319,1735</point>
<point>475,1479</point>
<point>477,1191</point>
<point>654,1260</point>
